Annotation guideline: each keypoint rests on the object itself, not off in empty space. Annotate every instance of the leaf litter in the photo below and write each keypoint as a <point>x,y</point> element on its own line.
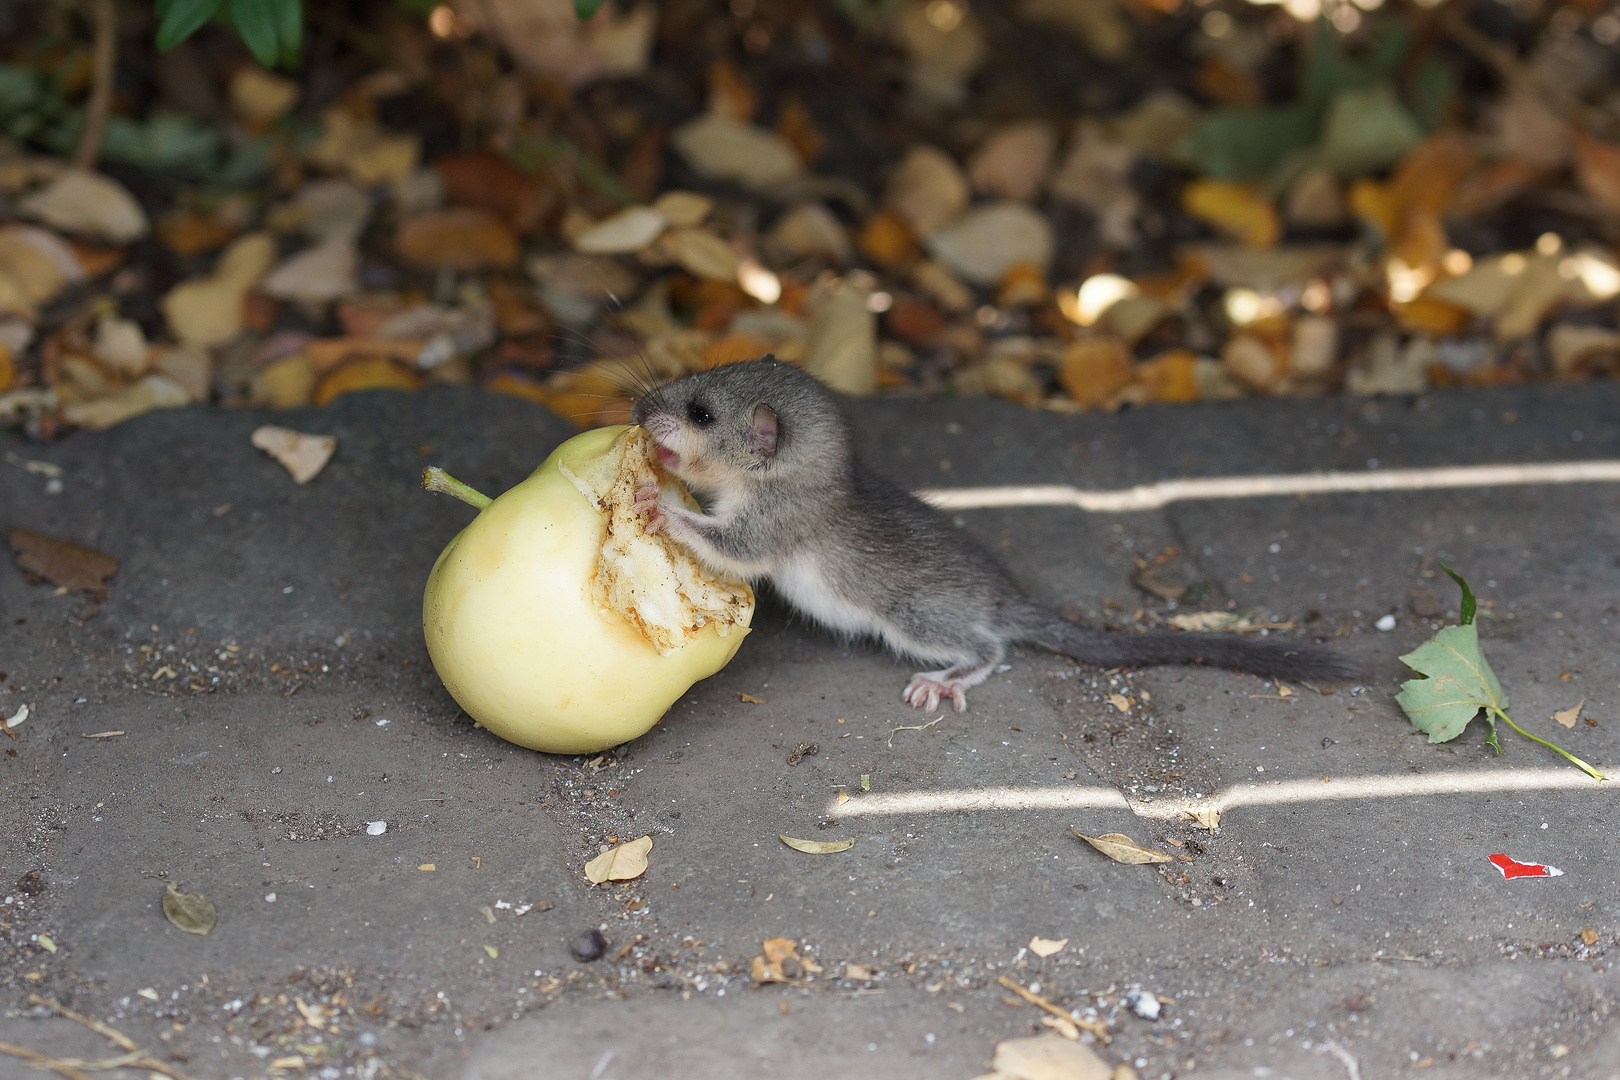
<point>1378,200</point>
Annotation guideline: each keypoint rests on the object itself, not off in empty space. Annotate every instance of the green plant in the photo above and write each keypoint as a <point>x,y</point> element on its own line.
<point>273,30</point>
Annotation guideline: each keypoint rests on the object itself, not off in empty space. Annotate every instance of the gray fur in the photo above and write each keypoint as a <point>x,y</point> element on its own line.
<point>863,557</point>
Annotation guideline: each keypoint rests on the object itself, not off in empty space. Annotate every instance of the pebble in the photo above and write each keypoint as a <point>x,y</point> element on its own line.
<point>588,946</point>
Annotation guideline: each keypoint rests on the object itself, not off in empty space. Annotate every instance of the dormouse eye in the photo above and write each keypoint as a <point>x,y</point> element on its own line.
<point>699,415</point>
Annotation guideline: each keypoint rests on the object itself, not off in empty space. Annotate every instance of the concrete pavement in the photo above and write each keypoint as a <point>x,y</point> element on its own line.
<point>1302,937</point>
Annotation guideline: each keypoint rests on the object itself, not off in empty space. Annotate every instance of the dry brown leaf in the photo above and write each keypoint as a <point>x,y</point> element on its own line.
<point>620,863</point>
<point>1093,370</point>
<point>1569,716</point>
<point>459,238</point>
<point>750,698</point>
<point>1044,947</point>
<point>1206,814</point>
<point>1120,702</point>
<point>1121,848</point>
<point>1597,167</point>
<point>62,562</point>
<point>818,847</point>
<point>303,455</point>
<point>1049,1057</point>
<point>192,912</point>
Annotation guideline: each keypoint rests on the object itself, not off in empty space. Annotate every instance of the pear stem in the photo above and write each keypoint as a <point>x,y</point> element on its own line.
<point>436,479</point>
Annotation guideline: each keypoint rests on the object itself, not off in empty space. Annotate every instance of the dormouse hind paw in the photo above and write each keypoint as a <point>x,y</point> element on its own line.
<point>927,689</point>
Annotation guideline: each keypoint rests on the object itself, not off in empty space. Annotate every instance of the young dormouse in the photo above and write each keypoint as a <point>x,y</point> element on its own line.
<point>768,452</point>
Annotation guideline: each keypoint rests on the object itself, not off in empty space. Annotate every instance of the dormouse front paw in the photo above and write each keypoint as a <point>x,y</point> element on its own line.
<point>647,504</point>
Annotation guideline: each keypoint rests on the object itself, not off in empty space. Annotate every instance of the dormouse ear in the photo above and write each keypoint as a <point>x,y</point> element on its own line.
<point>761,437</point>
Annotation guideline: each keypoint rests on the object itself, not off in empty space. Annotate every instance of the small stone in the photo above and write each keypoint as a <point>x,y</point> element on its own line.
<point>983,244</point>
<point>1013,162</point>
<point>588,946</point>
<point>927,189</point>
<point>1385,623</point>
<point>722,148</point>
<point>1143,1004</point>
<point>628,231</point>
<point>458,238</point>
<point>88,204</point>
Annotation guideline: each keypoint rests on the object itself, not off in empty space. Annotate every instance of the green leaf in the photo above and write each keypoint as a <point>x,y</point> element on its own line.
<point>179,19</point>
<point>1245,143</point>
<point>258,29</point>
<point>288,16</point>
<point>1469,604</point>
<point>586,8</point>
<point>1366,130</point>
<point>1460,683</point>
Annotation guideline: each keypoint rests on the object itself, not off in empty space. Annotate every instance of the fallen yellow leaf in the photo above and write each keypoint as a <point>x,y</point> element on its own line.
<point>1239,210</point>
<point>750,698</point>
<point>1120,702</point>
<point>620,863</point>
<point>1209,816</point>
<point>1567,717</point>
<point>1044,947</point>
<point>1121,848</point>
<point>817,847</point>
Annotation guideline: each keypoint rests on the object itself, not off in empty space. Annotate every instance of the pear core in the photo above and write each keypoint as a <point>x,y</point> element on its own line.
<point>559,623</point>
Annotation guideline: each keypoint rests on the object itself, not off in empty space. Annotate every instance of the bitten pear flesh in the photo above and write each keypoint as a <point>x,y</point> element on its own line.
<point>558,624</point>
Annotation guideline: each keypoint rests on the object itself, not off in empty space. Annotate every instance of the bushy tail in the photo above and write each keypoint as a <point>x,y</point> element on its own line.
<point>1271,658</point>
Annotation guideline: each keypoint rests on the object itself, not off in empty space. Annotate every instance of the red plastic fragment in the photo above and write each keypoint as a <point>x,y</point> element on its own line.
<point>1512,868</point>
